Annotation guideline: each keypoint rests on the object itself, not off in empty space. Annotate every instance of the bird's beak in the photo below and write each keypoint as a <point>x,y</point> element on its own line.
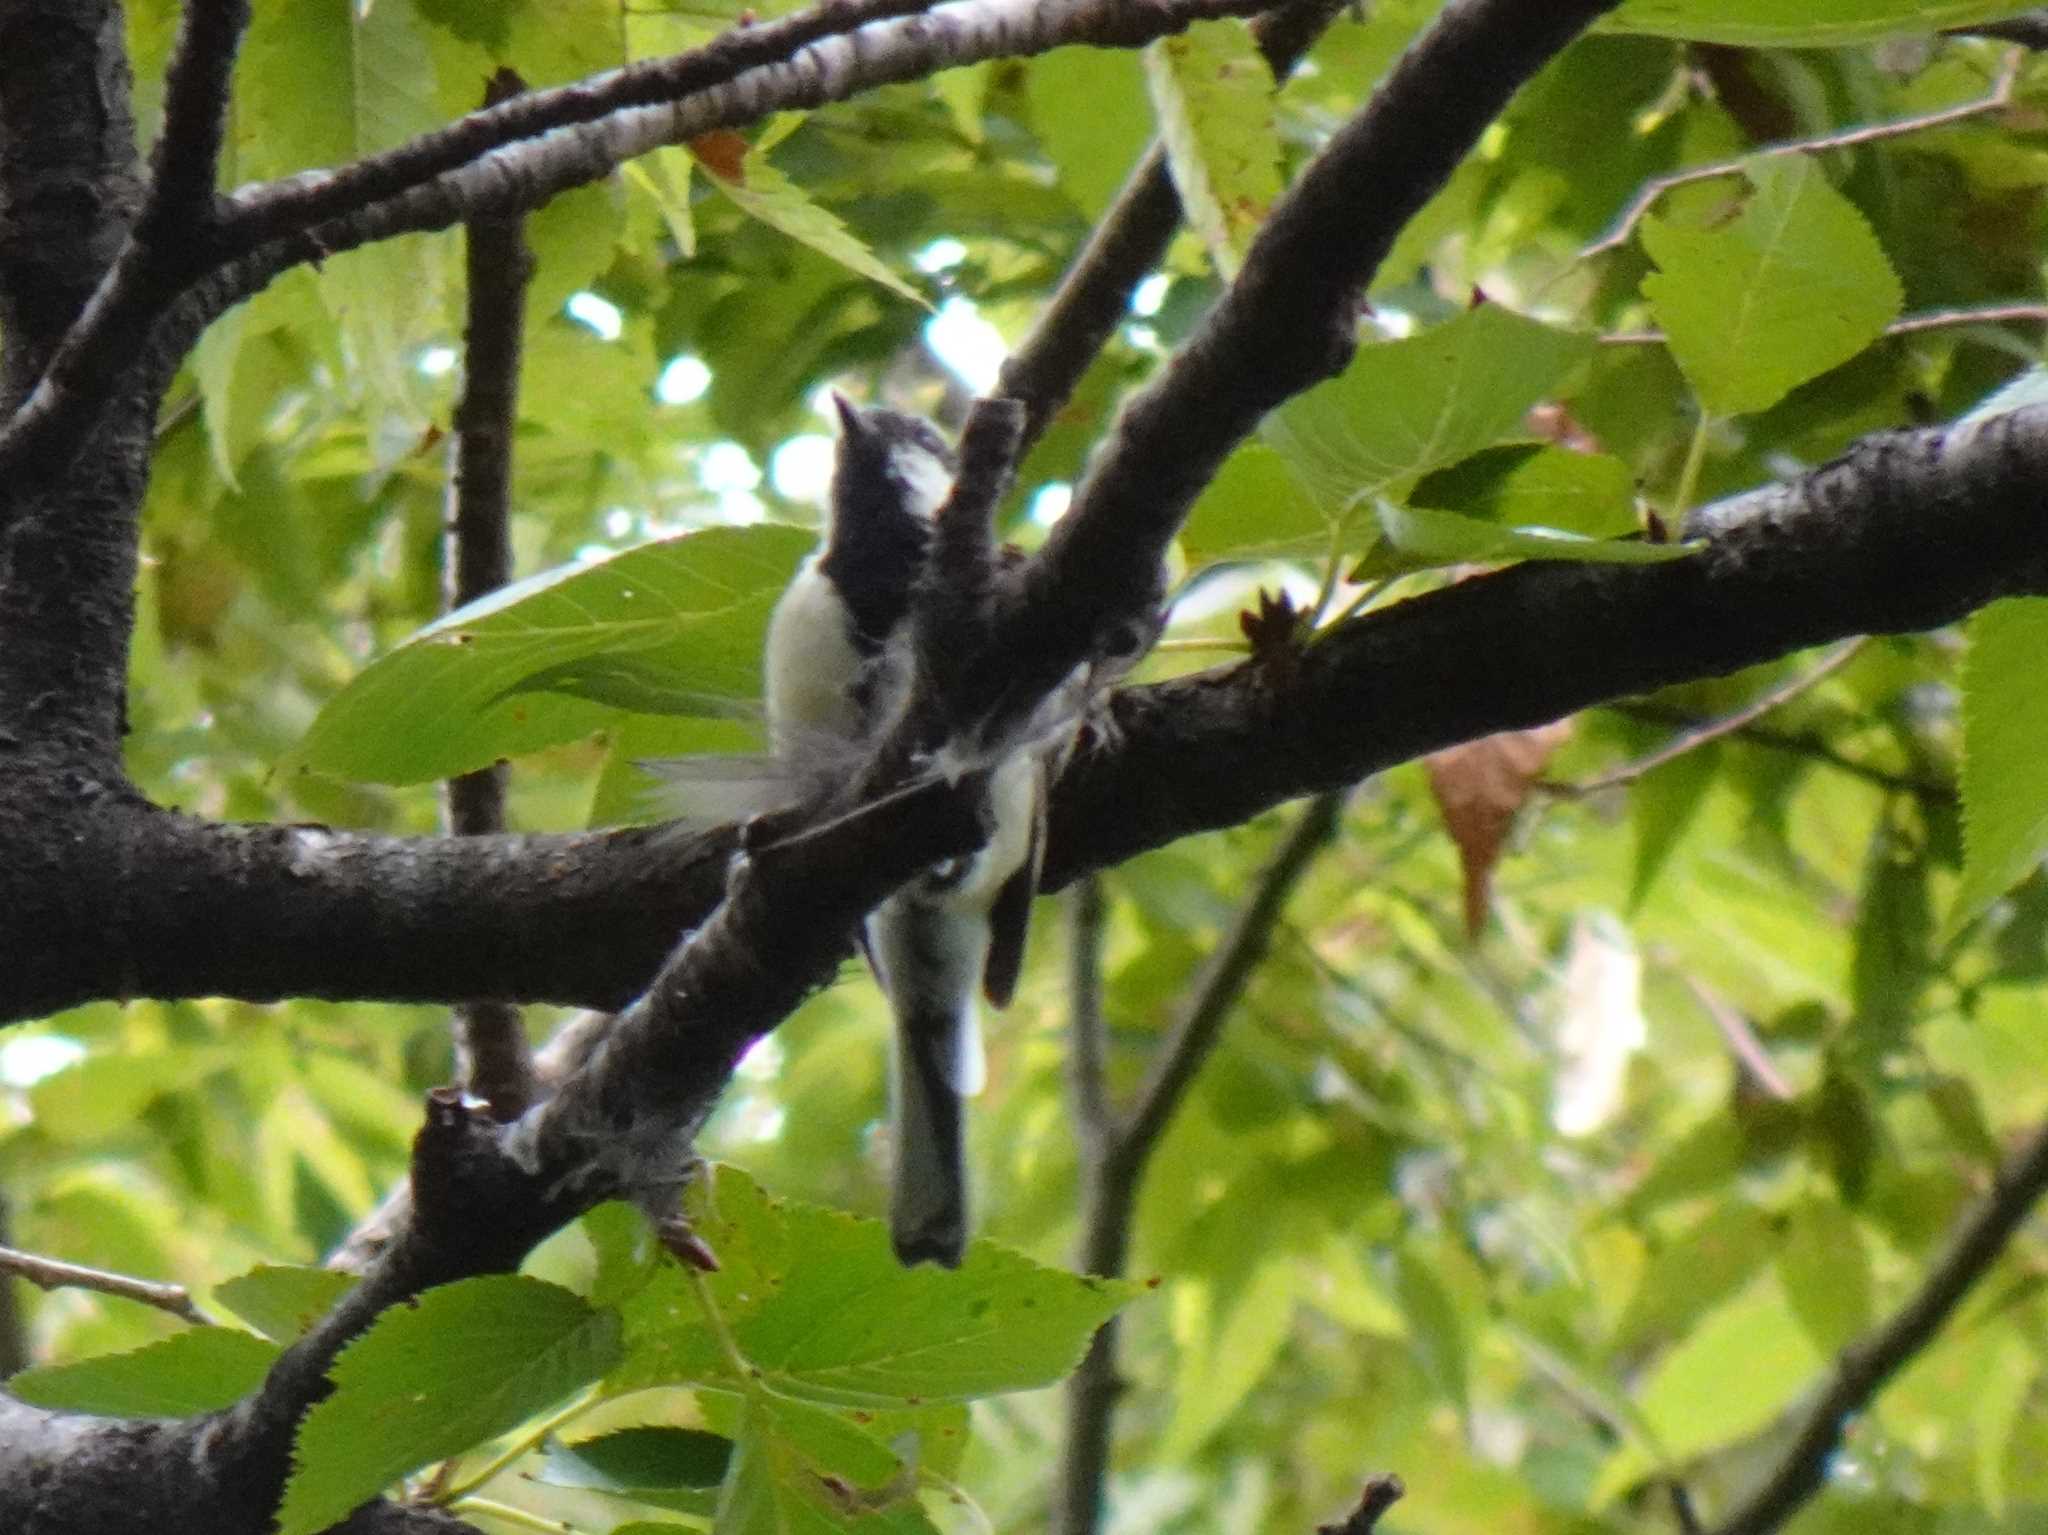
<point>849,414</point>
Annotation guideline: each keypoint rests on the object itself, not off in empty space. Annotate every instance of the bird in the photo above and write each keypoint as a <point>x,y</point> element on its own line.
<point>836,668</point>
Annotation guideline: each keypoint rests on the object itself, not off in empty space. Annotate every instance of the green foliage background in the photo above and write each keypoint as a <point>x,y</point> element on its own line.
<point>1507,1216</point>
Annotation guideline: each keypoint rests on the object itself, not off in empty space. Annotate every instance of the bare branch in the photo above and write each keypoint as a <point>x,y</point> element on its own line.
<point>1223,980</point>
<point>1865,1365</point>
<point>1905,325</point>
<point>1713,730</point>
<point>1287,321</point>
<point>1996,99</point>
<point>1088,1050</point>
<point>1381,1493</point>
<point>1114,1157</point>
<point>522,175</point>
<point>186,162</point>
<point>53,1274</point>
<point>491,1049</point>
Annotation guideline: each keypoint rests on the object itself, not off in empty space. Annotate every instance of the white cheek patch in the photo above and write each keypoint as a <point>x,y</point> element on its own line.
<point>927,481</point>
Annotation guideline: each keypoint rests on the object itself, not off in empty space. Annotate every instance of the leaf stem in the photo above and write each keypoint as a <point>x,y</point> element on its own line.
<point>513,1515</point>
<point>576,1406</point>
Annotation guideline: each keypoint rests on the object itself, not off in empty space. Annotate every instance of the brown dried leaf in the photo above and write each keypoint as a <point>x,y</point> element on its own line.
<point>1480,787</point>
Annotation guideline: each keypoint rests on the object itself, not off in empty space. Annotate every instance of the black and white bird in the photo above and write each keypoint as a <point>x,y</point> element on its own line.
<point>837,664</point>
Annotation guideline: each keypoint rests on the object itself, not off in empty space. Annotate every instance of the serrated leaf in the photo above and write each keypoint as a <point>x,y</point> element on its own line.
<point>441,1374</point>
<point>282,1300</point>
<point>1812,24</point>
<point>821,1310</point>
<point>1212,91</point>
<point>1791,287</point>
<point>763,192</point>
<point>460,694</point>
<point>1403,408</point>
<point>802,1469</point>
<point>1421,538</point>
<point>2005,740</point>
<point>203,1370</point>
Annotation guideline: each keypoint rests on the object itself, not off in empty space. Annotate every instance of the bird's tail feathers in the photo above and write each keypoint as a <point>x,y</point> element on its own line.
<point>928,1201</point>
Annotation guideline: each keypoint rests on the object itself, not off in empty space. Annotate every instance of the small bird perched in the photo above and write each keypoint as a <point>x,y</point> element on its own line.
<point>837,663</point>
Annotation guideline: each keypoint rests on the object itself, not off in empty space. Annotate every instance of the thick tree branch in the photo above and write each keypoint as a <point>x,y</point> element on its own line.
<point>620,1125</point>
<point>1865,1365</point>
<point>1908,531</point>
<point>186,162</point>
<point>521,175</point>
<point>1288,320</point>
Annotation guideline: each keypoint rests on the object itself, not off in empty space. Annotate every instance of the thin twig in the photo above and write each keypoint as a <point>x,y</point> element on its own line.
<point>1682,1509</point>
<point>1905,325</point>
<point>1748,1050</point>
<point>1380,1494</point>
<point>1224,979</point>
<point>496,1063</point>
<point>1114,1167</point>
<point>1996,99</point>
<point>53,1274</point>
<point>1926,790</point>
<point>1712,730</point>
<point>1088,1054</point>
<point>1871,1360</point>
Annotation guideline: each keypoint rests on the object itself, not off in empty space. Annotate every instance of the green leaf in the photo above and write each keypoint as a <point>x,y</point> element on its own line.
<point>1824,1266</point>
<point>438,1376</point>
<point>1811,24</point>
<point>673,1468</point>
<point>2005,740</point>
<point>687,614</point>
<point>1094,149</point>
<point>1791,287</point>
<point>763,192</point>
<point>1403,408</point>
<point>1695,1273</point>
<point>1662,805</point>
<point>1894,931</point>
<point>282,1300</point>
<point>1213,92</point>
<point>819,1308</point>
<point>802,1469</point>
<point>1529,484</point>
<point>1418,538</point>
<point>1438,1328</point>
<point>1228,1338</point>
<point>203,1370</point>
<point>1253,508</point>
<point>1729,1376</point>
